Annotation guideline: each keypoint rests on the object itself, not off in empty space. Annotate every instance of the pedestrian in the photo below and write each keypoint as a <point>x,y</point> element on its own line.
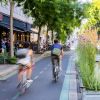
<point>7,43</point>
<point>3,46</point>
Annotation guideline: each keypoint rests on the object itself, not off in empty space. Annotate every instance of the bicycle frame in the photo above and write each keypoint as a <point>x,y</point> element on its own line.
<point>23,86</point>
<point>55,70</point>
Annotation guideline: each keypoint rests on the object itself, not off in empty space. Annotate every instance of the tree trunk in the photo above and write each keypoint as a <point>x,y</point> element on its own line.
<point>47,37</point>
<point>52,37</point>
<point>39,39</point>
<point>11,28</point>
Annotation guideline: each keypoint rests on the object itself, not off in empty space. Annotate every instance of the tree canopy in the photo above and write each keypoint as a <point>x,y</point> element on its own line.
<point>61,16</point>
<point>92,13</point>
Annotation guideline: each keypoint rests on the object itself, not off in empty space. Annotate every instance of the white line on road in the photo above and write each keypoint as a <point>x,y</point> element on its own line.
<point>36,77</point>
<point>16,96</point>
<point>41,72</point>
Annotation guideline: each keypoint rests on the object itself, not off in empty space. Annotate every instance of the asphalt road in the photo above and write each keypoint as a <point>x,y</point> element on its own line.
<point>43,87</point>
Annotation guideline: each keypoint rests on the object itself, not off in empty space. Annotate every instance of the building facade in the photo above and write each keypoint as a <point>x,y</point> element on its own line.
<point>21,24</point>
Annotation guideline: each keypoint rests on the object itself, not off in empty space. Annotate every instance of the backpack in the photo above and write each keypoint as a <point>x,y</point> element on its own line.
<point>56,51</point>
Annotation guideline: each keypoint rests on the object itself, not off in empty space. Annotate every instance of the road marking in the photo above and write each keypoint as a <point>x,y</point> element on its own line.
<point>16,96</point>
<point>36,77</point>
<point>41,72</point>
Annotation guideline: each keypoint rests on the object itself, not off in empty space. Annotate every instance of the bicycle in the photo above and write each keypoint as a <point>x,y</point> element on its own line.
<point>56,70</point>
<point>24,84</point>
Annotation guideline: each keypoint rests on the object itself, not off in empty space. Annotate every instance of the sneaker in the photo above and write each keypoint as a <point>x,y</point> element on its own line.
<point>29,82</point>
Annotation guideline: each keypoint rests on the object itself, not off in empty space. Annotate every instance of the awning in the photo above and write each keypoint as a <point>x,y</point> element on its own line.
<point>8,27</point>
<point>18,25</point>
<point>4,25</point>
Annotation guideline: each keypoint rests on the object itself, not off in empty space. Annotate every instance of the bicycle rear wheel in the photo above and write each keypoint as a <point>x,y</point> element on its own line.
<point>55,73</point>
<point>22,88</point>
<point>55,68</point>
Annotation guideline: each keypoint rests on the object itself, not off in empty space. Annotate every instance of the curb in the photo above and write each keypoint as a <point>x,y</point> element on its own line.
<point>12,71</point>
<point>69,89</point>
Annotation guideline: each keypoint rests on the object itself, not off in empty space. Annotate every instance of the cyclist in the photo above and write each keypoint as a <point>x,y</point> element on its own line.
<point>56,53</point>
<point>29,60</point>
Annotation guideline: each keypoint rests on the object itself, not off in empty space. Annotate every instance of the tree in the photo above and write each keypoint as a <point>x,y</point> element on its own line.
<point>11,24</point>
<point>34,9</point>
<point>92,13</point>
<point>12,2</point>
<point>70,16</point>
<point>59,16</point>
<point>11,28</point>
<point>50,14</point>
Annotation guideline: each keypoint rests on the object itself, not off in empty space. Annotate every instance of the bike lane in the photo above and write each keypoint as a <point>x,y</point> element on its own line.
<point>43,88</point>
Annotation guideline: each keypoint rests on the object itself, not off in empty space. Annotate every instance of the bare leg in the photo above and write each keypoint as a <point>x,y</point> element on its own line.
<point>20,74</point>
<point>29,73</point>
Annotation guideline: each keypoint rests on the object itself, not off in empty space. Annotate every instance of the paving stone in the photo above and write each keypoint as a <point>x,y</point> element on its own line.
<point>73,85</point>
<point>73,95</point>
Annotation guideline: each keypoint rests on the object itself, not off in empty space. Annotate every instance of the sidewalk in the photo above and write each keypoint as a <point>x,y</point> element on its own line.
<point>8,70</point>
<point>69,89</point>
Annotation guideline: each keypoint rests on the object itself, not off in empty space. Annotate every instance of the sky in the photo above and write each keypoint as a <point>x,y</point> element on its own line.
<point>84,1</point>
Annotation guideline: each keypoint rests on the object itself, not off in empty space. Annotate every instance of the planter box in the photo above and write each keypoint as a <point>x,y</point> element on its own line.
<point>87,94</point>
<point>91,95</point>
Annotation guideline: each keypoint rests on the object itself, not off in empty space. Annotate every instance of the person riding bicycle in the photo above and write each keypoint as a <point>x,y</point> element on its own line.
<point>56,53</point>
<point>27,61</point>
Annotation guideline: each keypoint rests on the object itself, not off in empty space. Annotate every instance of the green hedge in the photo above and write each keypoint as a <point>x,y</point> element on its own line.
<point>5,58</point>
<point>12,60</point>
<point>86,53</point>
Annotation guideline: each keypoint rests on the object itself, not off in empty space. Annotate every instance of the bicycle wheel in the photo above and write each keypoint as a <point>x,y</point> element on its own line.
<point>21,88</point>
<point>55,74</point>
